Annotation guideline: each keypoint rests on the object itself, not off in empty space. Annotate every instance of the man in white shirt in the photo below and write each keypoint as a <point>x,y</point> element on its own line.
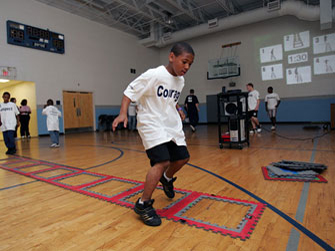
<point>272,102</point>
<point>253,106</point>
<point>9,119</point>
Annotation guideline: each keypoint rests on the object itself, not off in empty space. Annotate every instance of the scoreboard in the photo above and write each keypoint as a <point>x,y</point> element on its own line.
<point>36,38</point>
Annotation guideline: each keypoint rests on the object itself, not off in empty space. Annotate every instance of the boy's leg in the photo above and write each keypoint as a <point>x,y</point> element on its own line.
<point>11,141</point>
<point>132,123</point>
<point>179,156</point>
<point>143,206</point>
<point>22,127</point>
<point>274,121</point>
<point>175,167</point>
<point>152,179</point>
<point>28,119</point>
<point>57,137</point>
<point>253,123</point>
<point>6,140</point>
<point>53,137</point>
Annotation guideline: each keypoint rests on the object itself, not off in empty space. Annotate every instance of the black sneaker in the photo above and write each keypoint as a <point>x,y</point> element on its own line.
<point>168,186</point>
<point>147,213</point>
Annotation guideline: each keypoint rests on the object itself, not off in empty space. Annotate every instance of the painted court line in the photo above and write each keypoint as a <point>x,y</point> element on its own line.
<point>294,239</point>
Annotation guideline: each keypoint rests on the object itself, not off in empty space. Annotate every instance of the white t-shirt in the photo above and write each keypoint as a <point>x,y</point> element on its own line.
<point>156,92</point>
<point>8,112</point>
<point>132,109</point>
<point>52,117</point>
<point>272,100</point>
<point>253,96</point>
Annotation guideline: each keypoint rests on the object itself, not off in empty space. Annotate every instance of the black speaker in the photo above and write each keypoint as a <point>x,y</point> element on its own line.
<point>234,105</point>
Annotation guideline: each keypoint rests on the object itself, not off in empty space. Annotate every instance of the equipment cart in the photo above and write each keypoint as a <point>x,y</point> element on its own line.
<point>233,108</point>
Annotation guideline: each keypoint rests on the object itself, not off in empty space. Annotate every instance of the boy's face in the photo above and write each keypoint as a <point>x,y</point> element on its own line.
<point>6,98</point>
<point>249,88</point>
<point>179,65</point>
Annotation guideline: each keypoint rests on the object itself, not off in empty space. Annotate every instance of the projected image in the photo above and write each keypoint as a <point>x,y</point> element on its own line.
<point>296,41</point>
<point>324,65</point>
<point>271,72</point>
<point>323,44</point>
<point>271,53</point>
<point>298,75</point>
<point>297,58</point>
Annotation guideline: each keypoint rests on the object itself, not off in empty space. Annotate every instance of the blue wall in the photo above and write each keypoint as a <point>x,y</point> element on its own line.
<point>42,121</point>
<point>290,110</point>
<point>301,110</point>
<point>107,110</point>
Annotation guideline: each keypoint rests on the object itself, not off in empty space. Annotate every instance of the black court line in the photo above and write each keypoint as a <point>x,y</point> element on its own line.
<point>18,185</point>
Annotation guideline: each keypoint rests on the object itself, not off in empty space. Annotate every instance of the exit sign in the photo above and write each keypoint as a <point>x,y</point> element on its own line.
<point>9,72</point>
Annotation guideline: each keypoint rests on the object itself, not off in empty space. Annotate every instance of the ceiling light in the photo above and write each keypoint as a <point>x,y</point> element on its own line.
<point>169,20</point>
<point>3,80</point>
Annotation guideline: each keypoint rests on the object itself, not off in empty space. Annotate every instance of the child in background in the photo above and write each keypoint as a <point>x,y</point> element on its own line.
<point>272,102</point>
<point>24,118</point>
<point>9,119</point>
<point>13,100</point>
<point>132,116</point>
<point>52,114</point>
<point>159,123</point>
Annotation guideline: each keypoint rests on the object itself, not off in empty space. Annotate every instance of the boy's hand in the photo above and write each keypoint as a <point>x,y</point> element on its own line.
<point>119,119</point>
<point>182,115</point>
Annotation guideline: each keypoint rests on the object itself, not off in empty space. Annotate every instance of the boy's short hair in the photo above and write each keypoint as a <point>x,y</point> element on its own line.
<point>180,47</point>
<point>192,91</point>
<point>12,99</point>
<point>250,84</point>
<point>50,102</point>
<point>6,93</point>
<point>270,89</point>
<point>24,102</point>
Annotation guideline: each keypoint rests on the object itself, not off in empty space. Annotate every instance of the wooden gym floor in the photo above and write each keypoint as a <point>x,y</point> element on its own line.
<point>35,215</point>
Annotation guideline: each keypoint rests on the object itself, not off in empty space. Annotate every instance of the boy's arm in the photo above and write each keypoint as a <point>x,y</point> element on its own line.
<point>257,106</point>
<point>17,113</point>
<point>123,113</point>
<point>17,120</point>
<point>278,104</point>
<point>181,112</point>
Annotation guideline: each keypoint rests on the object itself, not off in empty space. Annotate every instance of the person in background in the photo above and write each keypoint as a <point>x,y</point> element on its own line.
<point>192,108</point>
<point>9,120</point>
<point>272,102</point>
<point>13,100</point>
<point>24,119</point>
<point>253,106</point>
<point>53,115</point>
<point>132,116</point>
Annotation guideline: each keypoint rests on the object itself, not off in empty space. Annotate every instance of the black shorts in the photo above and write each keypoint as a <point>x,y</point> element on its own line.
<point>167,151</point>
<point>252,113</point>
